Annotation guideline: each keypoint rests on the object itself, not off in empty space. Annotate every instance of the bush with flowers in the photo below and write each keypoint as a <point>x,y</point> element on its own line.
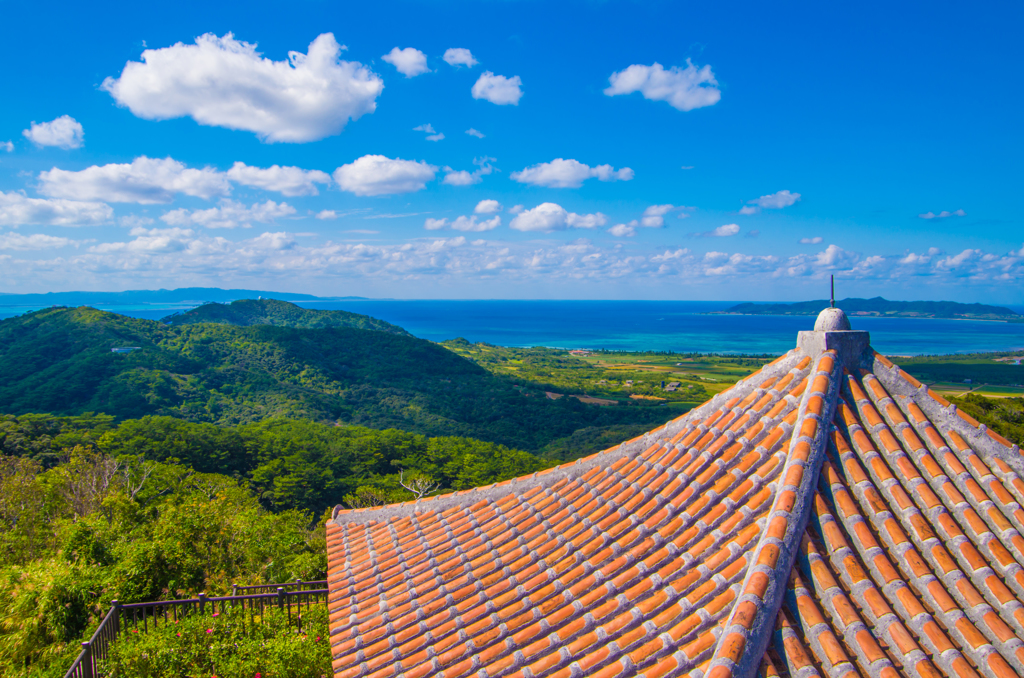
<point>227,645</point>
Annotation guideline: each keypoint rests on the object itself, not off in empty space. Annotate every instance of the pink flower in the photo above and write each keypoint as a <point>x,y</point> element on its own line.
<point>135,630</point>
<point>210,631</point>
<point>216,614</point>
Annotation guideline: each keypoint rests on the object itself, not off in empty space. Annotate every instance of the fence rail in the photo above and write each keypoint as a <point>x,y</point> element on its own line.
<point>297,596</point>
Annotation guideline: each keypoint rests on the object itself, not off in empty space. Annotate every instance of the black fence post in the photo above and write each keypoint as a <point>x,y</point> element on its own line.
<point>88,666</point>
<point>280,597</point>
<point>202,603</point>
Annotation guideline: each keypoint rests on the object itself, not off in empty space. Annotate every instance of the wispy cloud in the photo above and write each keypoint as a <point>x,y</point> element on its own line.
<point>723,231</point>
<point>394,216</point>
<point>943,214</point>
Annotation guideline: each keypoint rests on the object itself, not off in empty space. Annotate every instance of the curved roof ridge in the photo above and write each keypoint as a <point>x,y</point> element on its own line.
<point>548,477</point>
<point>753,619</point>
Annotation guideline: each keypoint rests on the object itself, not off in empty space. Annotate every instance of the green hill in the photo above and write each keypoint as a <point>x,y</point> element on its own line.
<point>59,361</point>
<point>885,308</point>
<point>247,312</point>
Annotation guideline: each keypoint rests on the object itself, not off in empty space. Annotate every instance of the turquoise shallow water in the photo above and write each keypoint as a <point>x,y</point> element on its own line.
<point>641,326</point>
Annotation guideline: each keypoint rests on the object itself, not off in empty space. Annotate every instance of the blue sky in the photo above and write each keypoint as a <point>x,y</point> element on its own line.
<point>620,150</point>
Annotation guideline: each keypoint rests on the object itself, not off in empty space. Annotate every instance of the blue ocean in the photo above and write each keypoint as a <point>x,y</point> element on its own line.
<point>679,326</point>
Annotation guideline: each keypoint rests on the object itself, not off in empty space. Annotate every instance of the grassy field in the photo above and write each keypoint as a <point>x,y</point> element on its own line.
<point>993,375</point>
<point>617,377</point>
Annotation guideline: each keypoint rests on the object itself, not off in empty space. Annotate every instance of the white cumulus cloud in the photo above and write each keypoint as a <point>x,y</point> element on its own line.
<point>133,221</point>
<point>326,214</point>
<point>36,241</point>
<point>561,173</point>
<point>654,216</point>
<point>459,56</point>
<point>772,201</point>
<point>223,82</point>
<point>548,217</point>
<point>144,180</point>
<point>150,241</point>
<point>9,145</point>
<point>487,207</point>
<point>380,175</point>
<point>471,132</point>
<point>16,209</point>
<point>290,181</point>
<point>63,132</point>
<point>623,230</point>
<point>229,214</point>
<point>410,62</point>
<point>498,89</point>
<point>465,178</point>
<point>943,214</point>
<point>683,88</point>
<point>470,223</point>
<point>811,241</point>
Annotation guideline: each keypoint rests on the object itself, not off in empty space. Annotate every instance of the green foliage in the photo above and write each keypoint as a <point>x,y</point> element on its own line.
<point>59,361</point>
<point>1005,416</point>
<point>247,312</point>
<point>128,529</point>
<point>286,463</point>
<point>228,645</point>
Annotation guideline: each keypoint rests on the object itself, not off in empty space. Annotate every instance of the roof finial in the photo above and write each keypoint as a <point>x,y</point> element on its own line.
<point>832,304</point>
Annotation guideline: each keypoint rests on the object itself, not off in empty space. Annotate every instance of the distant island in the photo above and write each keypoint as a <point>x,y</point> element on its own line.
<point>181,295</point>
<point>249,312</point>
<point>879,307</point>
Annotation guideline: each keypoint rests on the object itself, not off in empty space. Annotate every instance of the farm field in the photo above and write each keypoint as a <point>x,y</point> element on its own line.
<point>622,377</point>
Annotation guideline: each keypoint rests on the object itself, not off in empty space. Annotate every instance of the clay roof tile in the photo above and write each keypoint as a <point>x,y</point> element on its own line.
<point>825,516</point>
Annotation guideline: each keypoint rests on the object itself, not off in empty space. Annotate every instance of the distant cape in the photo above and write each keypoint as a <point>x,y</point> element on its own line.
<point>880,307</point>
<point>182,295</point>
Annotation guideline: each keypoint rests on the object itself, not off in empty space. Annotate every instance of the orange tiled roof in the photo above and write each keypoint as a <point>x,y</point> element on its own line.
<point>826,516</point>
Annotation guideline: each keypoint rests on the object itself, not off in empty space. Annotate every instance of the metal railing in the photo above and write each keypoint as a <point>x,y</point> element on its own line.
<point>298,595</point>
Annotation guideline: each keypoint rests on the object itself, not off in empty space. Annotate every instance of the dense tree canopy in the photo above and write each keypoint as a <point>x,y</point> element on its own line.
<point>60,361</point>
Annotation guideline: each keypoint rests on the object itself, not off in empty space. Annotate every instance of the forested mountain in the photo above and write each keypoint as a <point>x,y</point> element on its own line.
<point>878,306</point>
<point>59,361</point>
<point>247,312</point>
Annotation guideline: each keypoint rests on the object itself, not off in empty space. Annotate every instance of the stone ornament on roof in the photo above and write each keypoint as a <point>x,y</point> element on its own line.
<point>826,516</point>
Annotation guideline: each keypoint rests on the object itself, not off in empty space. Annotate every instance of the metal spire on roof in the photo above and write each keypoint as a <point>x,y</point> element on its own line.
<point>832,304</point>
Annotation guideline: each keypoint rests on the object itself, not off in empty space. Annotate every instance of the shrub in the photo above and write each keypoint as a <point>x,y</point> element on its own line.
<point>227,645</point>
